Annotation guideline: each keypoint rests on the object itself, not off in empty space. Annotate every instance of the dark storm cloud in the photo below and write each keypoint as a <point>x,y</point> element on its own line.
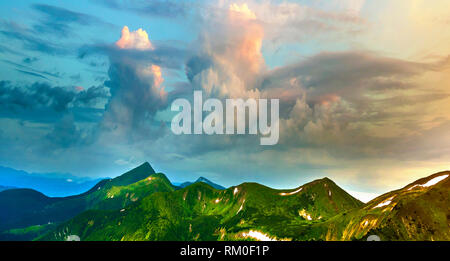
<point>40,97</point>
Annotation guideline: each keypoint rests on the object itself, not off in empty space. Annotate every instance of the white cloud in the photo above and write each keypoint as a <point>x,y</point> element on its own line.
<point>134,40</point>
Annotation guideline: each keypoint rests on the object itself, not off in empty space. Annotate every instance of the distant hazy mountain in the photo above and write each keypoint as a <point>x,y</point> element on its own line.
<point>204,180</point>
<point>50,184</point>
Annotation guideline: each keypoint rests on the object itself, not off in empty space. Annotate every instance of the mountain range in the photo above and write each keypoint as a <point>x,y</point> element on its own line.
<point>51,184</point>
<point>144,205</point>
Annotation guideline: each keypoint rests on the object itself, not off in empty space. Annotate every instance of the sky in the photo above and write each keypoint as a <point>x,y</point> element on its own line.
<point>86,88</point>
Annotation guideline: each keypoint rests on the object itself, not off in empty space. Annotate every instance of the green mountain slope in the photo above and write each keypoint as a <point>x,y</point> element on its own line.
<point>419,211</point>
<point>200,212</point>
<point>24,208</point>
<point>144,205</point>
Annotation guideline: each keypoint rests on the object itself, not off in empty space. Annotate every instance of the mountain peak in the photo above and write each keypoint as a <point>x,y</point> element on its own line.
<point>326,179</point>
<point>139,173</point>
<point>145,165</point>
<point>204,180</point>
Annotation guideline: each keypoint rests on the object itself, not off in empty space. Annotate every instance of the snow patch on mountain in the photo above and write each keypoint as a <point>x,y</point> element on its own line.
<point>431,182</point>
<point>291,193</point>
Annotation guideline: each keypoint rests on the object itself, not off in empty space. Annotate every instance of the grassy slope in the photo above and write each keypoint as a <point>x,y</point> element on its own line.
<point>200,212</point>
<point>23,208</point>
<point>26,234</point>
<point>420,213</point>
<point>151,209</point>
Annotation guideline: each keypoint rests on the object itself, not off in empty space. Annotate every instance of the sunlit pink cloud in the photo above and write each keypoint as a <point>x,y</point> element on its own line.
<point>134,40</point>
<point>248,48</point>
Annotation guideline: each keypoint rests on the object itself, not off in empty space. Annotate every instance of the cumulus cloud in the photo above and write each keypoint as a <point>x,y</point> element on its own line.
<point>241,12</point>
<point>229,59</point>
<point>136,86</point>
<point>134,40</point>
<point>230,62</point>
<point>337,101</point>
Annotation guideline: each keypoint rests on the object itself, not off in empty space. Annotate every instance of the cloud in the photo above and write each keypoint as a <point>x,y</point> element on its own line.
<point>346,73</point>
<point>17,100</point>
<point>241,12</point>
<point>56,24</point>
<point>32,74</point>
<point>33,43</point>
<point>65,133</point>
<point>4,49</point>
<point>164,55</point>
<point>134,40</point>
<point>351,7</point>
<point>30,71</point>
<point>90,96</point>
<point>291,22</point>
<point>341,106</point>
<point>30,60</point>
<point>137,90</point>
<point>229,55</point>
<point>158,8</point>
<point>58,21</point>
